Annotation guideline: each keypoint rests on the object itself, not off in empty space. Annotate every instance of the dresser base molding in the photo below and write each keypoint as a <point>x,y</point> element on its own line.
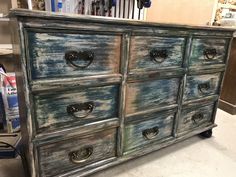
<point>228,107</point>
<point>136,154</point>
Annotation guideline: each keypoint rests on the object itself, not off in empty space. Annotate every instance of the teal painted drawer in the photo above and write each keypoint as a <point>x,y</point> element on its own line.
<point>151,94</point>
<point>195,117</point>
<point>155,128</point>
<point>198,86</point>
<point>55,55</point>
<point>75,107</point>
<point>74,153</point>
<point>208,51</point>
<point>151,53</point>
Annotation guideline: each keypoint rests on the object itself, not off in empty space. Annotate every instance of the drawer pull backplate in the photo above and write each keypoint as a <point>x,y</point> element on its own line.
<point>210,53</point>
<point>73,56</point>
<point>197,117</point>
<point>158,55</point>
<point>76,108</point>
<point>150,133</point>
<point>204,87</point>
<point>81,155</point>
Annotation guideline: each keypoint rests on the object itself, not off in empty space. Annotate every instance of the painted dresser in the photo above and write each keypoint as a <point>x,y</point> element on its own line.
<point>95,92</point>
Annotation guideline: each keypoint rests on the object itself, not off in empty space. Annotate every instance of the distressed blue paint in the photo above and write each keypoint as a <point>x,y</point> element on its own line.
<point>186,122</point>
<point>192,91</point>
<point>50,110</point>
<point>47,51</point>
<point>44,52</point>
<point>142,45</point>
<point>151,94</point>
<point>133,132</point>
<point>200,44</point>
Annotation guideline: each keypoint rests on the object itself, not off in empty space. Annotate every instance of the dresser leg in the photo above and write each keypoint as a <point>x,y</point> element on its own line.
<point>206,134</point>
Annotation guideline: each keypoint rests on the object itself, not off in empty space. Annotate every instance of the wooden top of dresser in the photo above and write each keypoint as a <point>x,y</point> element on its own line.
<point>116,21</point>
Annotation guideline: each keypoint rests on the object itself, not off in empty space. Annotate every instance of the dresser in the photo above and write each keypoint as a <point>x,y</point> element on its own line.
<point>95,92</point>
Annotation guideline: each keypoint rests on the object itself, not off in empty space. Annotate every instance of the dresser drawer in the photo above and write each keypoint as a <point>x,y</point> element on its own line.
<point>198,86</point>
<point>208,51</point>
<point>195,117</point>
<point>75,106</point>
<point>158,126</point>
<point>151,94</point>
<point>151,53</point>
<point>58,158</point>
<point>53,55</point>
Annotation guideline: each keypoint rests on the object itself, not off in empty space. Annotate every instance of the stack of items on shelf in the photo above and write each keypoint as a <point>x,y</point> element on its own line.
<point>87,7</point>
<point>9,111</point>
<point>225,13</point>
<point>131,9</point>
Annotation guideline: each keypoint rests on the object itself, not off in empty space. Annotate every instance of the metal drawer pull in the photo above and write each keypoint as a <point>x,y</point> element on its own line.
<point>72,56</point>
<point>210,53</point>
<point>197,117</point>
<point>75,108</point>
<point>204,87</point>
<point>81,155</point>
<point>150,133</point>
<point>158,55</point>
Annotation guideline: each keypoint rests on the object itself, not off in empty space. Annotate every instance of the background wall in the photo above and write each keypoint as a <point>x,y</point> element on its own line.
<point>5,37</point>
<point>195,12</point>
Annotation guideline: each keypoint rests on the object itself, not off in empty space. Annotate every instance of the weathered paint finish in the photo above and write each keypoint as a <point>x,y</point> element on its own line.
<point>47,54</point>
<point>51,109</point>
<point>134,131</point>
<point>194,82</point>
<point>141,46</point>
<point>55,160</point>
<point>81,30</point>
<point>197,56</point>
<point>151,94</point>
<point>187,122</point>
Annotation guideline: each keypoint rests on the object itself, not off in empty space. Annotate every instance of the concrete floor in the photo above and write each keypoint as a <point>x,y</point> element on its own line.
<point>194,157</point>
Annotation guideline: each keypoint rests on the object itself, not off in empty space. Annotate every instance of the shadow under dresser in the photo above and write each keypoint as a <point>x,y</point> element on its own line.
<point>95,92</point>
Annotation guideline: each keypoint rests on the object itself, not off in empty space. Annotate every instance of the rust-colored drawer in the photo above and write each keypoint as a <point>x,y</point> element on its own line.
<point>151,94</point>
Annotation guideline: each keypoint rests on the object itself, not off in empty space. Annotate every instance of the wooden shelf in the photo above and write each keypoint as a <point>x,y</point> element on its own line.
<point>227,6</point>
<point>5,49</point>
<point>4,19</point>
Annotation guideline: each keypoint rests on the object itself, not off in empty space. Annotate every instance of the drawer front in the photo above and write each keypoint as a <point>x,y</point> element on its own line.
<point>151,94</point>
<point>151,53</point>
<point>77,106</point>
<point>198,86</point>
<point>208,51</point>
<point>195,117</point>
<point>55,55</point>
<point>61,157</point>
<point>143,133</point>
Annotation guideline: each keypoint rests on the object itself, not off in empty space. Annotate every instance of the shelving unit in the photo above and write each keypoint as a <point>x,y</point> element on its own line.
<point>5,49</point>
<point>226,6</point>
<point>4,19</point>
<point>6,53</point>
<point>219,9</point>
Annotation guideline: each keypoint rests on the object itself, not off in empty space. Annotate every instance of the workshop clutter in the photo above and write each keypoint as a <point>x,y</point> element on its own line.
<point>9,110</point>
<point>130,9</point>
